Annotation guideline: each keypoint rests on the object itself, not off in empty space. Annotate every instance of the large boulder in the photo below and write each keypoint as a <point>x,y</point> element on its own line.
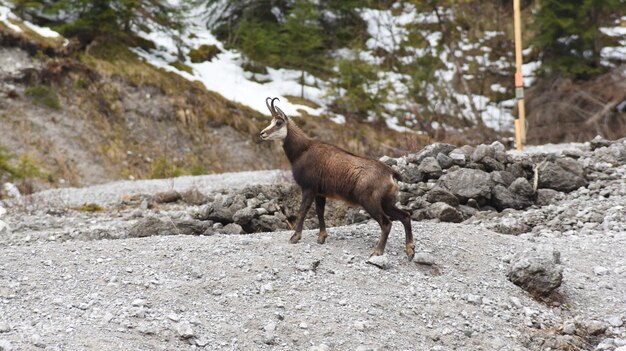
<point>439,194</point>
<point>468,184</point>
<point>535,272</point>
<point>430,168</point>
<point>553,176</point>
<point>444,212</point>
<point>502,198</point>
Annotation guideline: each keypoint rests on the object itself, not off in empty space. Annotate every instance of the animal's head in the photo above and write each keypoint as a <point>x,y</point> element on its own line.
<point>277,130</point>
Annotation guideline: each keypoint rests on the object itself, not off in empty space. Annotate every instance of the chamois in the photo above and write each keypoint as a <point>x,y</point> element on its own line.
<point>325,171</point>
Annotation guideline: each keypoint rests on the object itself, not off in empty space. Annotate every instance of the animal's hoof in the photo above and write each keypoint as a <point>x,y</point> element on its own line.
<point>295,238</point>
<point>321,239</point>
<point>410,251</point>
<point>376,252</point>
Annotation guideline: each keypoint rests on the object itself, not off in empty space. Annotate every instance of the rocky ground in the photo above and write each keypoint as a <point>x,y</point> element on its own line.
<point>106,267</point>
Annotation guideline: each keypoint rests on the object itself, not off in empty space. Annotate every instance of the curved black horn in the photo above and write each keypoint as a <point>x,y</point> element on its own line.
<point>268,104</point>
<point>272,104</point>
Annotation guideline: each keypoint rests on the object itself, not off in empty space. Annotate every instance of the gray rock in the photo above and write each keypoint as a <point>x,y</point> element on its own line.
<point>615,321</point>
<point>151,226</point>
<point>244,215</point>
<point>439,194</point>
<point>502,177</point>
<point>571,165</point>
<point>430,151</point>
<point>491,164</point>
<point>194,197</point>
<point>184,330</point>
<point>224,209</point>
<point>381,261</point>
<point>412,174</point>
<point>512,225</point>
<point>595,327</point>
<point>444,160</point>
<point>5,345</point>
<point>535,272</point>
<point>467,211</point>
<point>502,198</point>
<point>547,197</point>
<point>522,187</point>
<point>389,161</point>
<point>444,212</point>
<point>424,258</point>
<point>553,176</point>
<point>599,270</point>
<point>232,228</point>
<point>190,226</point>
<point>598,142</point>
<point>468,184</point>
<point>430,167</point>
<point>4,327</point>
<point>521,168</point>
<point>458,157</point>
<point>167,197</point>
<point>569,328</point>
<point>268,223</point>
<point>483,151</point>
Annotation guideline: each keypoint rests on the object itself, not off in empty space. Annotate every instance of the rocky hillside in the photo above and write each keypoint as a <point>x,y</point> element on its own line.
<point>536,263</point>
<point>83,118</point>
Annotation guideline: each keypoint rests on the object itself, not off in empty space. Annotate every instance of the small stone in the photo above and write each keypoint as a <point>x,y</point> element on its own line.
<point>303,325</point>
<point>381,261</point>
<point>614,321</point>
<point>474,299</point>
<point>595,327</point>
<point>36,340</point>
<point>183,329</point>
<point>360,325</point>
<point>202,342</point>
<point>424,258</point>
<point>173,317</point>
<point>599,270</point>
<point>4,327</point>
<point>516,302</point>
<point>138,302</point>
<point>569,328</point>
<point>167,197</point>
<point>5,345</point>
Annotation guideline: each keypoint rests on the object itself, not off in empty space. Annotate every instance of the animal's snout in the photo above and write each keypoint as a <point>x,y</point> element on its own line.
<point>263,135</point>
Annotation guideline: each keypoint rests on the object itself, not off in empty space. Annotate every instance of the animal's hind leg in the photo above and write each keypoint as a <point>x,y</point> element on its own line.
<point>307,200</point>
<point>320,203</point>
<point>385,225</point>
<point>397,214</point>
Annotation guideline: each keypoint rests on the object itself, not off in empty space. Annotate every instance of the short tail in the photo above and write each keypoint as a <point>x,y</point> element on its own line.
<point>397,175</point>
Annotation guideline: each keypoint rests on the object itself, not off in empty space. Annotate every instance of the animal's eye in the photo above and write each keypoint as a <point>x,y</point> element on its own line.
<point>279,122</point>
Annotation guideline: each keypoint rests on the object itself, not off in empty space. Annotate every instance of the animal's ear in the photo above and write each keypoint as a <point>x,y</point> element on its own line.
<point>281,114</point>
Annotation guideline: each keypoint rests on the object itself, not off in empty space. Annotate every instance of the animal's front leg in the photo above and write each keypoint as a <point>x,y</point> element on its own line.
<point>307,200</point>
<point>320,202</point>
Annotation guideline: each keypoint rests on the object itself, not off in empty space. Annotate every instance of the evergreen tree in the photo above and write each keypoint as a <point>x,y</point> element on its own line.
<point>89,19</point>
<point>568,34</point>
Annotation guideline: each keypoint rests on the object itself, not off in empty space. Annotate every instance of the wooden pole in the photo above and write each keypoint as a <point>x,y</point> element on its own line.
<point>520,123</point>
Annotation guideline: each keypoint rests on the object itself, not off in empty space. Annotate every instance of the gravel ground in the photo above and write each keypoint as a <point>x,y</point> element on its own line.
<point>72,280</point>
<point>111,193</point>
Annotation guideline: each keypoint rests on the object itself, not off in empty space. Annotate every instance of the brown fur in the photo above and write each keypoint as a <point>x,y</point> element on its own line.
<point>326,171</point>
